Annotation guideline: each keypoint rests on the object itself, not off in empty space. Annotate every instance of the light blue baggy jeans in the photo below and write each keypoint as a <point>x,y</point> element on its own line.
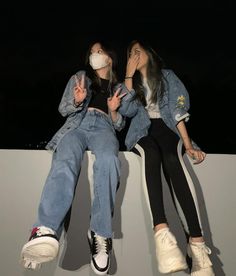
<point>97,134</point>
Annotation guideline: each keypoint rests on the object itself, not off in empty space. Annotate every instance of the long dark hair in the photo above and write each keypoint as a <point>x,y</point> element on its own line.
<point>96,82</point>
<point>155,77</point>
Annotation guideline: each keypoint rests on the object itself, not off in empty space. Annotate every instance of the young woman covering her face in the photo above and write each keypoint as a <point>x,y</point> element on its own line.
<point>158,103</point>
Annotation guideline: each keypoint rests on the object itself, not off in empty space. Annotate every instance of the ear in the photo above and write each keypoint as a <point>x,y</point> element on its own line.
<point>110,61</point>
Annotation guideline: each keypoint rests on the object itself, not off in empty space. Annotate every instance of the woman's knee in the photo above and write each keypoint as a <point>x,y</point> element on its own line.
<point>109,158</point>
<point>171,159</point>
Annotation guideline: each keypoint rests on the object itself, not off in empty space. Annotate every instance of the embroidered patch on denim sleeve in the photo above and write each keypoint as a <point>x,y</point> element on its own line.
<point>180,102</point>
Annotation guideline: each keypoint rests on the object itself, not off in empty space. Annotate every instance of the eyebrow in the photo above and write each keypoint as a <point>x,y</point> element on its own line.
<point>97,50</point>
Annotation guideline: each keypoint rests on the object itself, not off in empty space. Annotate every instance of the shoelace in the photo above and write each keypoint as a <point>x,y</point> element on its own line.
<point>201,255</point>
<point>101,244</point>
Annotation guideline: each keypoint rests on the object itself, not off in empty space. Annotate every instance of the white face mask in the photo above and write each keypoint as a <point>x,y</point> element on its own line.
<point>98,61</point>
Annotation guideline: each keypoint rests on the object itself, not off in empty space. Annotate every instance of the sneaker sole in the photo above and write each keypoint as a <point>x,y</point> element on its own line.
<point>97,271</point>
<point>39,250</point>
<point>174,268</point>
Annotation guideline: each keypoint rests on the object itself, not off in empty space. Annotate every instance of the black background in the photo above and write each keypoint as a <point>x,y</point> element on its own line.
<point>43,45</point>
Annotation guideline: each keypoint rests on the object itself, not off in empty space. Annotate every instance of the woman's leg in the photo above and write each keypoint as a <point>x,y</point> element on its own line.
<point>106,169</point>
<point>169,256</point>
<point>174,172</point>
<point>180,185</point>
<point>150,153</point>
<point>56,199</point>
<point>58,191</point>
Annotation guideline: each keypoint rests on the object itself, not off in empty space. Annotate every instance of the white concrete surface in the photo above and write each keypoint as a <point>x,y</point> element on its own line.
<point>22,176</point>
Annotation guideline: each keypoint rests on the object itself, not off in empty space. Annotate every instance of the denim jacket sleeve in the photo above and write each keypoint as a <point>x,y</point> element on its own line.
<point>178,102</point>
<point>129,105</point>
<point>67,106</point>
<point>119,124</point>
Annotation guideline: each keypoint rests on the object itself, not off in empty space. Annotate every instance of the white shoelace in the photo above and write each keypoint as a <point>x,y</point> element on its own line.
<point>200,256</point>
<point>101,244</point>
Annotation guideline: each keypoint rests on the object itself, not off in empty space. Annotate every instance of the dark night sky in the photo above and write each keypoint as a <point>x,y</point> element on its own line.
<point>42,46</point>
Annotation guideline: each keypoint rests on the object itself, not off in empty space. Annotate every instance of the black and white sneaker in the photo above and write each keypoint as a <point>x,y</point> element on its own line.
<point>43,246</point>
<point>100,250</point>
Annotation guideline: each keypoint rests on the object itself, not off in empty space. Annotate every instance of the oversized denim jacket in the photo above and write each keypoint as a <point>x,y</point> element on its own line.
<point>173,107</point>
<point>75,114</point>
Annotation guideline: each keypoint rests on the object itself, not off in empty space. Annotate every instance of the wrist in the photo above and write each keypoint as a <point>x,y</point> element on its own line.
<point>76,104</point>
<point>128,77</point>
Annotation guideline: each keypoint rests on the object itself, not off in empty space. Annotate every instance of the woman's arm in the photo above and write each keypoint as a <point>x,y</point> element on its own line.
<point>113,104</point>
<point>196,154</point>
<point>71,100</point>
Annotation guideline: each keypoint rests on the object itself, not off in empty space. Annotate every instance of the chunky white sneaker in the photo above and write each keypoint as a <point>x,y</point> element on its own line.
<point>100,250</point>
<point>201,264</point>
<point>43,246</point>
<point>169,256</point>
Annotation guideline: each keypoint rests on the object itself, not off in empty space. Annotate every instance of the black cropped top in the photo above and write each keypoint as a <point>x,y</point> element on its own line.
<point>99,98</point>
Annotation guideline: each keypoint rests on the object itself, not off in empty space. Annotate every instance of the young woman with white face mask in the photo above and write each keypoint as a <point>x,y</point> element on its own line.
<point>89,102</point>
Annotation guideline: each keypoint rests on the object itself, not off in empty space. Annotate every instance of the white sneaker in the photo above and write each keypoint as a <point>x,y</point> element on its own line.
<point>43,246</point>
<point>201,264</point>
<point>169,256</point>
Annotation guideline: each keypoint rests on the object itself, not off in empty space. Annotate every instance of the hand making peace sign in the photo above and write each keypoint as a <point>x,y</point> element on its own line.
<point>114,101</point>
<point>80,92</point>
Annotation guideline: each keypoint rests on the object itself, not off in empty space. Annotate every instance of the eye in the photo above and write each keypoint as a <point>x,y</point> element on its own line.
<point>132,53</point>
<point>100,51</point>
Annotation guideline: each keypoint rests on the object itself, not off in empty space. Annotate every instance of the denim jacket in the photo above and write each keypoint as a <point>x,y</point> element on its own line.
<point>75,114</point>
<point>173,107</point>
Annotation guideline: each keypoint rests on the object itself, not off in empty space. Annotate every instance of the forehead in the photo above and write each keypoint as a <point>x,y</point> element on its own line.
<point>96,46</point>
<point>136,46</point>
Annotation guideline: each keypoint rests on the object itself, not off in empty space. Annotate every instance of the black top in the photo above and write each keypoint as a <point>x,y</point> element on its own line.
<point>99,98</point>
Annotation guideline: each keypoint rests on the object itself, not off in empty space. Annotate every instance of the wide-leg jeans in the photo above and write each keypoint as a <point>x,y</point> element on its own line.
<point>97,134</point>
